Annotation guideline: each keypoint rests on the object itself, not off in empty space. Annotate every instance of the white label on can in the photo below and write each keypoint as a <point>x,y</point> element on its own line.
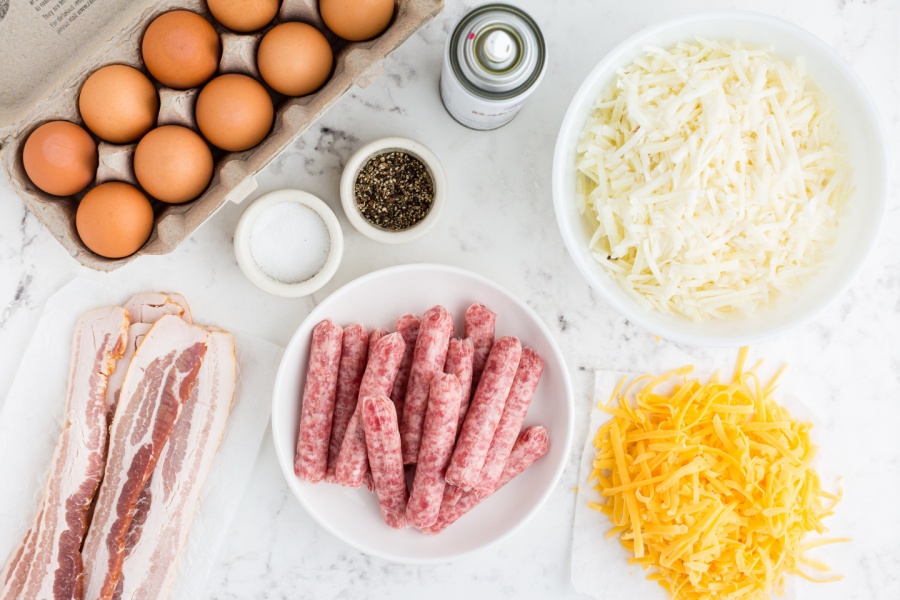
<point>474,111</point>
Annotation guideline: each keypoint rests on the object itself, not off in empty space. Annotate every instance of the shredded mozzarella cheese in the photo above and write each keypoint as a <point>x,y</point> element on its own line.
<point>710,485</point>
<point>712,176</point>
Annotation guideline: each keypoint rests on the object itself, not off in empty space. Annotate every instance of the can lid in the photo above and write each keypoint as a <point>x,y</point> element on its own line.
<point>498,47</point>
<point>497,50</point>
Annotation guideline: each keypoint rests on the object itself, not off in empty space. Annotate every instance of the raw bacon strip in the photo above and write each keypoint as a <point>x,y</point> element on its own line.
<point>14,558</point>
<point>532,444</point>
<point>159,380</point>
<point>16,555</point>
<point>382,434</point>
<point>144,309</point>
<point>54,568</point>
<point>12,578</point>
<point>181,301</point>
<point>484,414</point>
<point>438,437</point>
<point>136,333</point>
<point>381,370</point>
<point>428,360</point>
<point>480,323</point>
<point>408,327</point>
<point>311,459</point>
<point>354,352</point>
<point>528,375</point>
<point>460,360</point>
<point>151,554</point>
<point>148,307</point>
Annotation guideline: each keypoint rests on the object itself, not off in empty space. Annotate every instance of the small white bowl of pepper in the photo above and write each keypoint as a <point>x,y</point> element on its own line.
<point>393,190</point>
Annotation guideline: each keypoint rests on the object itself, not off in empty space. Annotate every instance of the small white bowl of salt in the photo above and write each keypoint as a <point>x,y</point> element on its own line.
<point>288,243</point>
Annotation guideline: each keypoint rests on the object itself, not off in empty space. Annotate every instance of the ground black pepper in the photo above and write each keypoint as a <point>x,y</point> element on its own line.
<point>394,191</point>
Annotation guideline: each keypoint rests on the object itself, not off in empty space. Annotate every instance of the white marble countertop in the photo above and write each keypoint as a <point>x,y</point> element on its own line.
<point>500,222</point>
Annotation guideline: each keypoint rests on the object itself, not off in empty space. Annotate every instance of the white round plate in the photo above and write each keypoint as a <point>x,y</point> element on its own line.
<point>376,300</point>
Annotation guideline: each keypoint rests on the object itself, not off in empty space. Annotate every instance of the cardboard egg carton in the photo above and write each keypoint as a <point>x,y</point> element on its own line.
<point>49,51</point>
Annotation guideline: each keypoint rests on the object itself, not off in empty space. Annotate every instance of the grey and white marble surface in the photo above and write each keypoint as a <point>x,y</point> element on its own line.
<point>845,364</point>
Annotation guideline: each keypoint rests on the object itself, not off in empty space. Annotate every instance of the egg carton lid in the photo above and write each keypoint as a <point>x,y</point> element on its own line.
<point>47,44</point>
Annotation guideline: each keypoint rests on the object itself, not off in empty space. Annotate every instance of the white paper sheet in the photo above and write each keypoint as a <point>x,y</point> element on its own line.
<point>33,413</point>
<point>599,565</point>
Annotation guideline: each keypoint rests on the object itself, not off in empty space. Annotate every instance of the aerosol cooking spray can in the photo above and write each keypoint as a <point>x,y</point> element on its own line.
<point>495,59</point>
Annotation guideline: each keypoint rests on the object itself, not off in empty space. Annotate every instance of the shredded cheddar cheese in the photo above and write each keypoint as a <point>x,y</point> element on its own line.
<point>710,485</point>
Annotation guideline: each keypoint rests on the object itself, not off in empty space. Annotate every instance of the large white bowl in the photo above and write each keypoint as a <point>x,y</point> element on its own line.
<point>859,125</point>
<point>376,300</point>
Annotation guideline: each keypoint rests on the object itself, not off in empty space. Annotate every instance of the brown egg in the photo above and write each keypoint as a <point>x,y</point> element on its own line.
<point>294,59</point>
<point>234,112</point>
<point>60,158</point>
<point>181,49</point>
<point>243,15</point>
<point>118,103</point>
<point>114,219</point>
<point>173,164</point>
<point>357,20</point>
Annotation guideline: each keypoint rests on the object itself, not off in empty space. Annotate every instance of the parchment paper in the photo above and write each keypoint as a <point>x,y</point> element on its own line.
<point>34,410</point>
<point>599,565</point>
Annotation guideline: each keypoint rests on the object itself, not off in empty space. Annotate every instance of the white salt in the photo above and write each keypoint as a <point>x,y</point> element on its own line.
<point>289,242</point>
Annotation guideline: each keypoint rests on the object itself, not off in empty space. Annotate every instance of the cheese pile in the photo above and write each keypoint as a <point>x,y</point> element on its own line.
<point>711,175</point>
<point>709,485</point>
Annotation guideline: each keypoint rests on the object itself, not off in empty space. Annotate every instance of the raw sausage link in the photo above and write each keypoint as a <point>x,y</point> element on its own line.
<point>311,459</point>
<point>375,335</point>
<point>532,444</point>
<point>384,360</point>
<point>528,375</point>
<point>383,444</point>
<point>452,494</point>
<point>428,360</point>
<point>408,327</point>
<point>480,322</point>
<point>484,414</point>
<point>460,357</point>
<point>438,437</point>
<point>354,351</point>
